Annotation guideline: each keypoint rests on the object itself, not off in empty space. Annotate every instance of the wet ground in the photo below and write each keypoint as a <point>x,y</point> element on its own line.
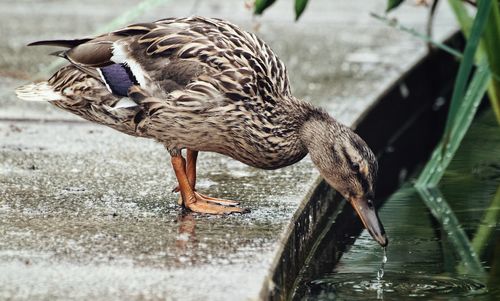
<point>424,261</point>
<point>87,213</point>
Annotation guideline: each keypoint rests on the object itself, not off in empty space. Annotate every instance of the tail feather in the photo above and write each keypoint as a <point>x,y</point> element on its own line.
<point>38,92</point>
<point>61,43</point>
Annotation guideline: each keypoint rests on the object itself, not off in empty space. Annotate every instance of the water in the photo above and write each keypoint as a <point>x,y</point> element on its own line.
<point>346,286</point>
<point>379,285</point>
<point>380,272</point>
<point>425,260</point>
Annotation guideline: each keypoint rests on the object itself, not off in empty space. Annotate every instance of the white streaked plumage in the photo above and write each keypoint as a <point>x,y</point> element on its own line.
<point>38,92</point>
<point>120,56</point>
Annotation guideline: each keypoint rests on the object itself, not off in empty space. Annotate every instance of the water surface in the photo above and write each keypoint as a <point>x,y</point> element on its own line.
<point>423,261</point>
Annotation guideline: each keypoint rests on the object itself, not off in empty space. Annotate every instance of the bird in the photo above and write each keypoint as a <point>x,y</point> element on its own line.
<point>198,84</point>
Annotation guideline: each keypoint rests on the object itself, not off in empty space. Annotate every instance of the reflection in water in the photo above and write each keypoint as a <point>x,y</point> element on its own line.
<point>485,230</point>
<point>186,237</point>
<point>395,287</point>
<point>441,210</point>
<point>424,262</point>
<point>431,258</point>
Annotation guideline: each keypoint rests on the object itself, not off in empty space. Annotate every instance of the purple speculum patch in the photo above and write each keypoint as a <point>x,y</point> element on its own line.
<point>119,78</point>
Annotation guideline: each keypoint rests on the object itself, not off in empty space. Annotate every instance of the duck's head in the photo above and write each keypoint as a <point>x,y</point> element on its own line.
<point>347,163</point>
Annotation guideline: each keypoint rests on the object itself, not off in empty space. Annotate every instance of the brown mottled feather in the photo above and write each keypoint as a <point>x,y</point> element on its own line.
<point>206,85</point>
<point>209,86</point>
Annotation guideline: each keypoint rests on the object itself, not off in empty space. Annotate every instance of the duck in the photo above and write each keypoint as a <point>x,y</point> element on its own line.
<point>198,84</point>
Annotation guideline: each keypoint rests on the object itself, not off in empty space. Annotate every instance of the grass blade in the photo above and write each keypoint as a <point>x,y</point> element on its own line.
<point>485,229</point>
<point>463,106</point>
<point>435,167</point>
<point>462,16</point>
<point>467,63</point>
<point>491,43</point>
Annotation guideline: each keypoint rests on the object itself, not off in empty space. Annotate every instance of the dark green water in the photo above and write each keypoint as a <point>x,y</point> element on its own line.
<point>424,260</point>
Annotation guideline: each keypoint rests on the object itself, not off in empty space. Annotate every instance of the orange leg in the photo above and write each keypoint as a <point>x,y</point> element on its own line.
<point>193,200</point>
<point>192,156</point>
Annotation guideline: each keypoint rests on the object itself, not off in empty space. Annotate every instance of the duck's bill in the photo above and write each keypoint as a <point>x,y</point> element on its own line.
<point>370,219</point>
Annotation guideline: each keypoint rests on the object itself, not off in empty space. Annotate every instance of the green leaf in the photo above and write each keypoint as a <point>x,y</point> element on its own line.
<point>261,6</point>
<point>466,65</point>
<point>484,230</point>
<point>392,4</point>
<point>462,15</point>
<point>439,161</point>
<point>491,41</point>
<point>300,6</point>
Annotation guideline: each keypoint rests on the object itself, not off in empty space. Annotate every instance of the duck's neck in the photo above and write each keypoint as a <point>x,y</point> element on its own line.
<point>318,125</point>
<point>319,134</point>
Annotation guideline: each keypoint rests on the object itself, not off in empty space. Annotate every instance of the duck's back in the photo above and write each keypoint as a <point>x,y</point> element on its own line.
<point>201,83</point>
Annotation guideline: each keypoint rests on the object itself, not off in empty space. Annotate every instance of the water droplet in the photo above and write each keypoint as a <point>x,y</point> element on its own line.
<point>380,272</point>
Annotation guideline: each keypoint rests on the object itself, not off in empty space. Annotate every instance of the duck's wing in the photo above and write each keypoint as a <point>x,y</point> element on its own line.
<point>141,54</point>
<point>182,66</point>
<point>170,54</point>
<point>94,56</point>
<point>93,86</point>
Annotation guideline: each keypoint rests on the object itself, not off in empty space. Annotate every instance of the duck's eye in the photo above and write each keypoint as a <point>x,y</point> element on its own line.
<point>355,166</point>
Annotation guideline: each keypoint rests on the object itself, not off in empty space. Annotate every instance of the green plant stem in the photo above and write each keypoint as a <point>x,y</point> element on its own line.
<point>440,209</point>
<point>463,105</point>
<point>395,24</point>
<point>439,161</point>
<point>483,232</point>
<point>426,38</point>
<point>492,47</point>
<point>489,46</point>
<point>462,16</point>
<point>466,65</point>
<point>465,22</point>
<point>467,105</point>
<point>494,97</point>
